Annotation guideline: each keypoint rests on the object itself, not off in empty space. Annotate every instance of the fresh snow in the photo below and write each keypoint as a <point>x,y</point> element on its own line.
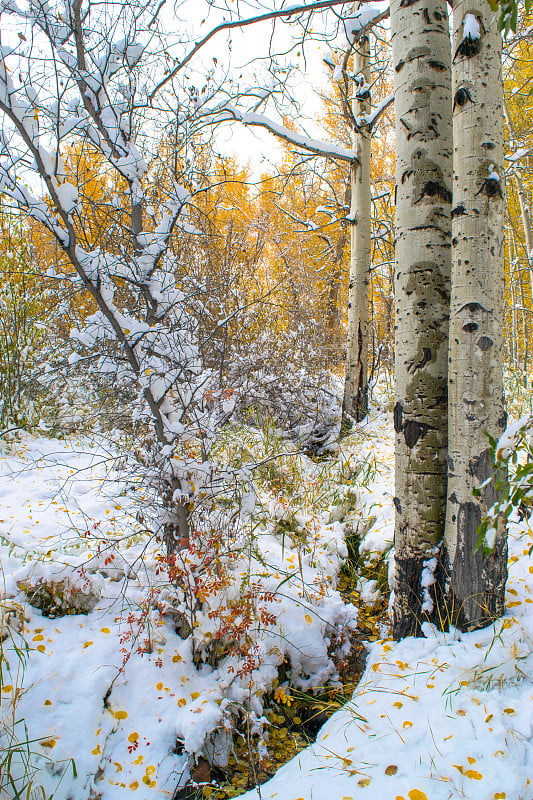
<point>443,716</point>
<point>493,175</point>
<point>229,112</point>
<point>519,154</point>
<point>471,29</point>
<point>363,17</point>
<point>62,503</point>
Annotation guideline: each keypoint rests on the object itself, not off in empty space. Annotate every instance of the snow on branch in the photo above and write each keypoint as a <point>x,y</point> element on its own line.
<point>143,333</point>
<point>518,155</point>
<point>319,148</point>
<point>364,18</point>
<point>369,120</point>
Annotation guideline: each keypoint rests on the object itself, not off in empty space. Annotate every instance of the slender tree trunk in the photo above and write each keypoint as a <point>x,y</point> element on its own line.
<point>355,402</point>
<point>525,213</point>
<point>513,344</point>
<point>474,580</point>
<point>525,331</point>
<point>422,84</point>
<point>333,315</point>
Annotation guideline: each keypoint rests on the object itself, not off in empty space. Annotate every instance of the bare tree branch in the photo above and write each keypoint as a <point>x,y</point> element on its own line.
<point>241,23</point>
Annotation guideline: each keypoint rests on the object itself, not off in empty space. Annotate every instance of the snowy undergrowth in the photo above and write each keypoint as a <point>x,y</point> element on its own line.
<point>109,682</point>
<point>444,716</point>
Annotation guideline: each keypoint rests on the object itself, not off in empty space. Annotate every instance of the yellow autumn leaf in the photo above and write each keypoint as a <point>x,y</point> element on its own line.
<point>473,774</point>
<point>47,702</point>
<point>139,760</point>
<point>509,711</point>
<point>121,714</point>
<point>41,648</point>
<point>133,736</point>
<point>500,795</point>
<point>159,686</point>
<point>397,704</point>
<point>471,760</point>
<point>195,695</point>
<point>150,769</point>
<point>177,658</point>
<point>87,644</point>
<point>416,794</point>
<point>118,767</point>
<point>308,619</point>
<point>105,630</point>
<point>182,701</point>
<point>134,785</point>
<point>392,769</point>
<point>7,688</point>
<point>407,724</point>
<point>97,750</point>
<point>48,742</point>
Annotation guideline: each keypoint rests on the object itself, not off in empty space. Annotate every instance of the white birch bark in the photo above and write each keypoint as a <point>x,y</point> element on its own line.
<point>526,216</point>
<point>422,83</point>
<point>525,213</point>
<point>475,581</point>
<point>513,344</point>
<point>355,402</point>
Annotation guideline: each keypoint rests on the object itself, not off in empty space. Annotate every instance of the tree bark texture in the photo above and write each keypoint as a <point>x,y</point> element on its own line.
<point>525,213</point>
<point>474,581</point>
<point>422,85</point>
<point>355,402</point>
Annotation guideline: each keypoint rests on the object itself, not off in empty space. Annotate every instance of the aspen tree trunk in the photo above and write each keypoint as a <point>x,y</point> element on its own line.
<point>422,84</point>
<point>526,217</point>
<point>528,229</point>
<point>355,402</point>
<point>513,344</point>
<point>525,330</point>
<point>475,581</point>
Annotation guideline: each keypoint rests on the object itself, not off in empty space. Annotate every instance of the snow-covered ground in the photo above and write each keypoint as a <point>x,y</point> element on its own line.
<point>435,718</point>
<point>445,716</point>
<point>87,694</point>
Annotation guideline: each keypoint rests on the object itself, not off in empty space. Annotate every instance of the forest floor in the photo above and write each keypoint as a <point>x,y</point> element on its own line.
<point>106,691</point>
